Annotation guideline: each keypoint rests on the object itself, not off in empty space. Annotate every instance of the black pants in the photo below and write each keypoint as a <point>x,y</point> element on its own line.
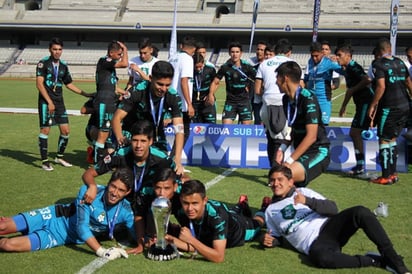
<point>326,250</point>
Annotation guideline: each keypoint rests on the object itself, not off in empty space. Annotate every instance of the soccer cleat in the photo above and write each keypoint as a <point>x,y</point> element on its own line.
<point>62,162</point>
<point>382,181</point>
<point>377,259</point>
<point>394,178</point>
<point>266,201</point>
<point>243,199</point>
<point>356,171</point>
<point>395,264</point>
<point>46,165</point>
<point>244,205</point>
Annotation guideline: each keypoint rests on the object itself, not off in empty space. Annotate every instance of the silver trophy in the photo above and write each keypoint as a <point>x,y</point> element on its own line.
<point>161,250</point>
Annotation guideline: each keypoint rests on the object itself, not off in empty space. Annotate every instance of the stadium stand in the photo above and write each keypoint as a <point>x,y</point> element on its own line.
<point>99,5</point>
<point>83,25</point>
<point>163,5</point>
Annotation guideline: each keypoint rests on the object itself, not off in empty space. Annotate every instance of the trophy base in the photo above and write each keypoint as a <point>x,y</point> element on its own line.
<point>160,254</point>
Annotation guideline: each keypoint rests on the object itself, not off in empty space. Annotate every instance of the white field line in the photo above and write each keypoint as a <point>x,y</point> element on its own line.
<point>93,266</point>
<point>220,177</point>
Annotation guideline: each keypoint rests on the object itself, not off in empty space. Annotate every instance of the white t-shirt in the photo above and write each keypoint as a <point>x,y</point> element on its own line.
<point>145,66</point>
<point>266,72</point>
<point>298,224</point>
<point>184,67</point>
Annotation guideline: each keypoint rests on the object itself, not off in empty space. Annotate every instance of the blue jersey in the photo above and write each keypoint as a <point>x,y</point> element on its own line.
<point>77,222</point>
<point>318,78</point>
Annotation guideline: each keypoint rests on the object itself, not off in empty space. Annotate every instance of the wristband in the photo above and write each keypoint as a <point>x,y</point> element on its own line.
<point>289,160</point>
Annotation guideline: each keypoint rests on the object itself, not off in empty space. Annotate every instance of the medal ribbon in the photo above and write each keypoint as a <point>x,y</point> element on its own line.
<point>291,120</point>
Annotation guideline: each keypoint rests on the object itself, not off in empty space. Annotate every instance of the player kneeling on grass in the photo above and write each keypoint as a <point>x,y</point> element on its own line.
<point>312,225</point>
<point>74,223</point>
<point>208,227</point>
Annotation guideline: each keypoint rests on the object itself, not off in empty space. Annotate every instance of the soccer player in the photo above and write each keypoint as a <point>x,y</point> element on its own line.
<point>203,77</point>
<point>255,99</point>
<point>239,76</point>
<point>326,50</point>
<point>408,134</point>
<point>140,67</point>
<point>144,160</point>
<point>358,87</point>
<point>208,227</point>
<point>183,80</point>
<point>51,74</point>
<point>389,108</point>
<point>272,113</point>
<point>318,77</point>
<point>105,102</point>
<point>310,156</point>
<point>202,50</point>
<point>151,103</point>
<point>312,225</point>
<point>75,223</point>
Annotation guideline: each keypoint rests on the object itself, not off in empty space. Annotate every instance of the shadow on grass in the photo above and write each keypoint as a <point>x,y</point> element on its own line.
<point>77,158</point>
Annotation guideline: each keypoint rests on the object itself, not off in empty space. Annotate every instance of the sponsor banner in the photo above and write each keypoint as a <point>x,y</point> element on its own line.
<point>245,146</point>
<point>394,24</point>
<point>316,15</point>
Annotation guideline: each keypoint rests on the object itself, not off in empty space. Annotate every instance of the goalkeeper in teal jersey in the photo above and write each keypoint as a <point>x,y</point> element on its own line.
<point>74,223</point>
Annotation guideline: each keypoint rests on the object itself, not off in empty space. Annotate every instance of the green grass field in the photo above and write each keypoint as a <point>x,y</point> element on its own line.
<point>25,186</point>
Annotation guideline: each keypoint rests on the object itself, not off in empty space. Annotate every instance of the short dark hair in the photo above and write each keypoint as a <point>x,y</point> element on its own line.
<point>282,169</point>
<point>162,69</point>
<point>198,58</point>
<point>113,45</point>
<point>163,174</point>
<point>383,45</point>
<point>55,41</point>
<point>283,46</point>
<point>142,127</point>
<point>145,42</point>
<point>290,69</point>
<point>347,48</point>
<point>193,186</point>
<point>125,175</point>
<point>315,46</point>
<point>235,44</point>
<point>325,42</point>
<point>189,41</point>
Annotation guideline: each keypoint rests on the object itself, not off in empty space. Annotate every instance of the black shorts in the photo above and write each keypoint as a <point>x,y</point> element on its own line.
<point>104,114</point>
<point>314,163</point>
<point>390,122</point>
<point>231,110</point>
<point>59,117</point>
<point>361,119</point>
<point>204,113</point>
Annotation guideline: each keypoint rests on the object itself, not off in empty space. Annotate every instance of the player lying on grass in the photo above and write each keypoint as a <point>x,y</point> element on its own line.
<point>208,227</point>
<point>311,224</point>
<point>74,223</point>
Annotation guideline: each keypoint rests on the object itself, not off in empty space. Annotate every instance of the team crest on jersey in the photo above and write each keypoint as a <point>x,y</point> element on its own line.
<point>108,59</point>
<point>288,212</point>
<point>107,159</point>
<point>40,65</point>
<point>101,217</point>
<point>32,213</point>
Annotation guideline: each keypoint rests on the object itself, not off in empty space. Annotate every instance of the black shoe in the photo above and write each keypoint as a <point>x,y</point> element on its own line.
<point>395,264</point>
<point>244,206</point>
<point>377,259</point>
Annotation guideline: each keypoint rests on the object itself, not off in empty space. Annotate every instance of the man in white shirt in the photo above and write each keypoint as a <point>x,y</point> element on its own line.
<point>272,113</point>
